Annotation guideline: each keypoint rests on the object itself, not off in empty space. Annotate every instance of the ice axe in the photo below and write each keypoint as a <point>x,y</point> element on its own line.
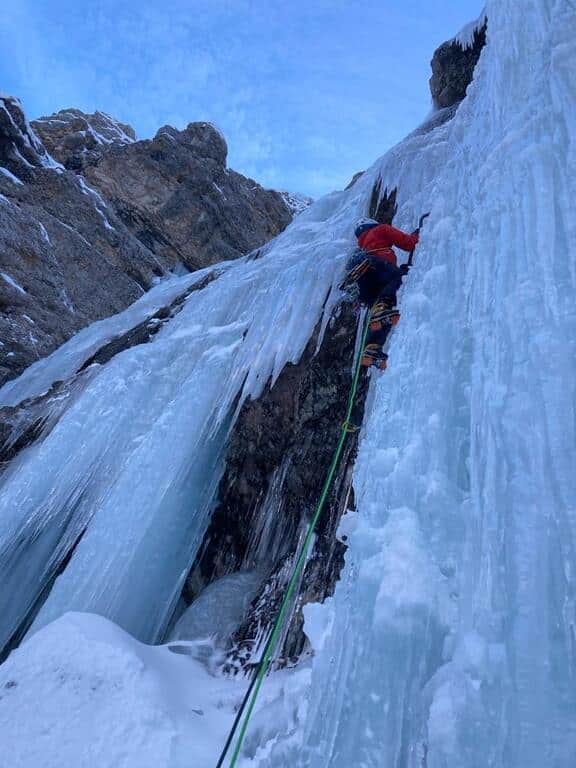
<point>417,232</point>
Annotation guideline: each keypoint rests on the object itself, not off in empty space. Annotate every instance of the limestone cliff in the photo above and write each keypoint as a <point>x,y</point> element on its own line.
<point>90,218</point>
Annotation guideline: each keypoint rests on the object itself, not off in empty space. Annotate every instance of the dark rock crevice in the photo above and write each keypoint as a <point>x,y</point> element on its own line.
<point>277,460</point>
<point>383,205</point>
<point>453,69</point>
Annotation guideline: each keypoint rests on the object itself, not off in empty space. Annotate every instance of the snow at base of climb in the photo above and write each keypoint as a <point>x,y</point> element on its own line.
<point>82,692</point>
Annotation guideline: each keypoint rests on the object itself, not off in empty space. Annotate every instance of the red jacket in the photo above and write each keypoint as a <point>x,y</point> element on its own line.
<point>379,240</point>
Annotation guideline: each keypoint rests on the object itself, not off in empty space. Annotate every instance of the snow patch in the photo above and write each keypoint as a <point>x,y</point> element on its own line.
<point>119,134</point>
<point>219,609</point>
<point>74,231</point>
<point>407,590</point>
<point>87,190</point>
<point>296,202</point>
<point>12,282</point>
<point>44,233</point>
<point>11,176</point>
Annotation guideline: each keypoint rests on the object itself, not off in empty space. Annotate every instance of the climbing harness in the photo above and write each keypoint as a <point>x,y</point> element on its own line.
<point>246,708</point>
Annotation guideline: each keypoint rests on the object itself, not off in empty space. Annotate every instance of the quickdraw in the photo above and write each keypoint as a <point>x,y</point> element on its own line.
<point>356,273</point>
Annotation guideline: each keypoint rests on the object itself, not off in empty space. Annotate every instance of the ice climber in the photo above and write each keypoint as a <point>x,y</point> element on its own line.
<point>375,270</point>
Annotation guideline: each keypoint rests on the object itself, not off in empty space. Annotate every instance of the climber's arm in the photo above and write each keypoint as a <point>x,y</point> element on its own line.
<point>399,238</point>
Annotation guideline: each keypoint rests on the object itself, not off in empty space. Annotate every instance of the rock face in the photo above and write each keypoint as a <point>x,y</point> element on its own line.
<point>65,258</point>
<point>453,67</point>
<point>20,149</point>
<point>178,198</point>
<point>295,202</point>
<point>276,463</point>
<point>77,140</point>
<point>79,245</point>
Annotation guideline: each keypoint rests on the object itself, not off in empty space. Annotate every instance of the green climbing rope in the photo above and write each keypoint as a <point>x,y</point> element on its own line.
<point>249,702</point>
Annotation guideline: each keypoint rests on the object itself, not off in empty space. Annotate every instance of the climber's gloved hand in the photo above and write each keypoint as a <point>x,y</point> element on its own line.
<point>404,268</point>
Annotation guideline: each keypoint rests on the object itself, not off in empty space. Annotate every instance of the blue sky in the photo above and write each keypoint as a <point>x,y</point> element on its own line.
<point>306,91</point>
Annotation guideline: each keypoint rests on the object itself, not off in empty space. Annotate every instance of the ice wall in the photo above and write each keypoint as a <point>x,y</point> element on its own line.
<point>451,637</point>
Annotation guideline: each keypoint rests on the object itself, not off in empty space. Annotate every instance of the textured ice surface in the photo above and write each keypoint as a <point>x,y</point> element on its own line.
<point>68,358</point>
<point>466,35</point>
<point>219,609</point>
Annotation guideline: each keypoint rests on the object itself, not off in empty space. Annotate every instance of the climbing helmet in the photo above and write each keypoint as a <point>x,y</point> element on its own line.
<point>364,224</point>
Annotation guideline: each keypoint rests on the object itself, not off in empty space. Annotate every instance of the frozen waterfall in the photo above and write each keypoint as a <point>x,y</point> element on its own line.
<point>451,639</point>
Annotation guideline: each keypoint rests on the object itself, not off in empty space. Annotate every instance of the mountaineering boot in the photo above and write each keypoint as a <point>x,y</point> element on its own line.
<point>373,356</point>
<point>384,313</point>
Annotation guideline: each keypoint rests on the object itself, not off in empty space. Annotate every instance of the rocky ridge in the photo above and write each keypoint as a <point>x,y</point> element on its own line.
<point>453,66</point>
<point>90,218</point>
<point>174,192</point>
<point>77,140</point>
